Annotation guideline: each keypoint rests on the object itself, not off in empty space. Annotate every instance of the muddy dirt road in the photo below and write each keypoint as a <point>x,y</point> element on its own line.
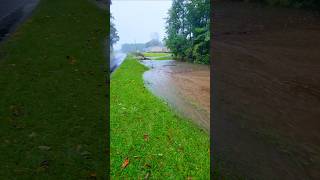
<point>185,86</point>
<point>266,68</point>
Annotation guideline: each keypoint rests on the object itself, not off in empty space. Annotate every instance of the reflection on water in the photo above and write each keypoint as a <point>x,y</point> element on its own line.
<point>116,59</point>
<point>185,86</point>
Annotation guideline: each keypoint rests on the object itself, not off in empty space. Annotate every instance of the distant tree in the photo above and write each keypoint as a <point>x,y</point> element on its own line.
<point>188,34</point>
<point>134,47</point>
<point>153,42</point>
<point>113,33</point>
<point>114,37</point>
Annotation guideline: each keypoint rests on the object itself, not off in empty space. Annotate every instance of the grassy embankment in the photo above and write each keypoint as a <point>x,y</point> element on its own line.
<point>148,54</point>
<point>146,132</point>
<point>158,56</point>
<point>52,88</point>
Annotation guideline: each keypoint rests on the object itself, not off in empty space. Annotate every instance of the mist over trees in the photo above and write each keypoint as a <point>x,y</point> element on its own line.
<point>188,30</point>
<point>114,37</point>
<point>140,47</point>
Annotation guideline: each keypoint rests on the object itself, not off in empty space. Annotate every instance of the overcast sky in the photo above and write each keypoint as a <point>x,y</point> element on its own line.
<point>136,20</point>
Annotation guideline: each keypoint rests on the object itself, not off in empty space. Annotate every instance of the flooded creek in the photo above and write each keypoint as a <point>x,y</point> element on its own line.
<point>185,86</point>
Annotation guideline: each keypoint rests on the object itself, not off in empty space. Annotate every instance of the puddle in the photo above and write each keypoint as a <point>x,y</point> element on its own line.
<point>185,86</point>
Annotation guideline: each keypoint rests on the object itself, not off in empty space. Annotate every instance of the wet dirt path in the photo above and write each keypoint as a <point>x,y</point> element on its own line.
<point>267,91</point>
<point>185,86</point>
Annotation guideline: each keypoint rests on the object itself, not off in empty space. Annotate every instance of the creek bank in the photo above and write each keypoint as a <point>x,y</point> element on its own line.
<point>185,86</point>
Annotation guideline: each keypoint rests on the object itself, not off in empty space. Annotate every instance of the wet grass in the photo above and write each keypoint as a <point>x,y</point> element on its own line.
<point>52,88</point>
<point>148,54</point>
<point>148,134</point>
<point>163,58</point>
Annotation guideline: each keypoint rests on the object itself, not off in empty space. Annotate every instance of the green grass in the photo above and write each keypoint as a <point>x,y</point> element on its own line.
<point>156,54</point>
<point>52,88</point>
<point>176,148</point>
<point>163,58</point>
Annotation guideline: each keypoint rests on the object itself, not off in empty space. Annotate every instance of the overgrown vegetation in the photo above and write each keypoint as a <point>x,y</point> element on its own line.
<point>141,47</point>
<point>52,85</point>
<point>114,37</point>
<point>148,140</point>
<point>188,30</point>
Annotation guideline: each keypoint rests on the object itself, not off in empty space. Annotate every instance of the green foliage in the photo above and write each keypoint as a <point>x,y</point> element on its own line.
<point>188,33</point>
<point>113,34</point>
<point>146,131</point>
<point>163,58</point>
<point>114,37</point>
<point>153,42</point>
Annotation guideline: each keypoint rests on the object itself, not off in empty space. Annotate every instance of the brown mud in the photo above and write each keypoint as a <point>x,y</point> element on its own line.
<point>184,86</point>
<point>266,84</point>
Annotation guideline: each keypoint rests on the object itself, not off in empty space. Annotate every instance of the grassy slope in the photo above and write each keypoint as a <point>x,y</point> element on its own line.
<point>156,54</point>
<point>53,101</point>
<point>175,149</point>
<point>163,58</point>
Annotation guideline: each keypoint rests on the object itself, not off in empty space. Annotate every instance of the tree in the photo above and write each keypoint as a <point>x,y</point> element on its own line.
<point>188,34</point>
<point>113,33</point>
<point>114,37</point>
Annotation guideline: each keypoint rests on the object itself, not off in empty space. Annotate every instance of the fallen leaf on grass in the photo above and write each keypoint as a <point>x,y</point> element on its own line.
<point>146,137</point>
<point>71,59</point>
<point>147,176</point>
<point>44,164</point>
<point>125,163</point>
<point>147,165</point>
<point>16,110</point>
<point>86,154</point>
<point>93,175</point>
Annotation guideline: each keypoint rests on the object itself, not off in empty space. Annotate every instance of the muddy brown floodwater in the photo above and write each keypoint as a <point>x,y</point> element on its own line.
<point>185,86</point>
<point>266,71</point>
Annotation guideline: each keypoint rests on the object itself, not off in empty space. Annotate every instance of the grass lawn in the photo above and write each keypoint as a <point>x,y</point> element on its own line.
<point>156,54</point>
<point>163,58</point>
<point>147,138</point>
<point>53,94</point>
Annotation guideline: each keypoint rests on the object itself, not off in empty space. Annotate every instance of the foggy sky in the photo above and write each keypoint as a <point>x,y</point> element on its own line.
<point>136,20</point>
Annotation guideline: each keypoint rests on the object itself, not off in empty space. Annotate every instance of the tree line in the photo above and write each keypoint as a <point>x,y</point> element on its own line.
<point>113,34</point>
<point>188,30</point>
<point>114,37</point>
